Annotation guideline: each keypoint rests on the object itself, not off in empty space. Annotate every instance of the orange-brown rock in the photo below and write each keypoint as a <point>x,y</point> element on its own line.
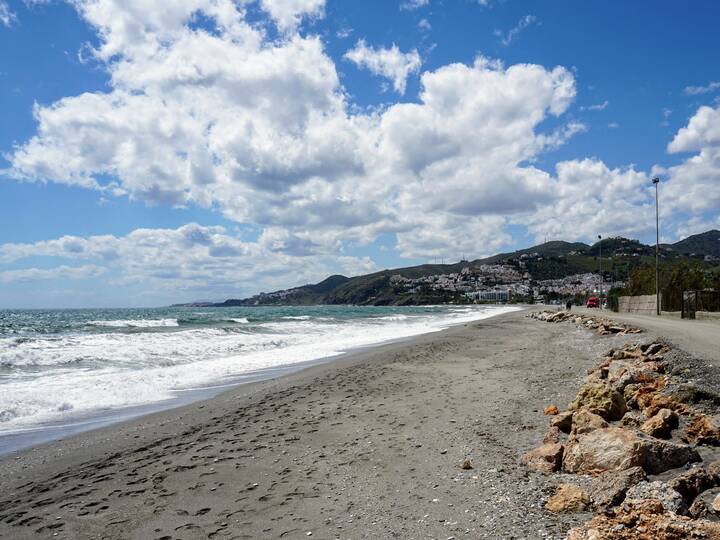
<point>562,421</point>
<point>546,458</point>
<point>704,430</point>
<point>662,424</point>
<point>617,449</point>
<point>568,498</point>
<point>584,422</point>
<point>647,520</point>
<point>551,410</point>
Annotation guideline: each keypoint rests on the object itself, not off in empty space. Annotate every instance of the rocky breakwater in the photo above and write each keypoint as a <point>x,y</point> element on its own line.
<point>638,446</point>
<point>602,325</point>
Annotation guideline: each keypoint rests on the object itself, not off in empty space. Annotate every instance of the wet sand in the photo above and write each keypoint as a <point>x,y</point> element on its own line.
<point>368,446</point>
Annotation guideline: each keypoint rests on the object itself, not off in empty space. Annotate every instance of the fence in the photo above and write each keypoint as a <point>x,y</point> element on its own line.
<point>704,301</point>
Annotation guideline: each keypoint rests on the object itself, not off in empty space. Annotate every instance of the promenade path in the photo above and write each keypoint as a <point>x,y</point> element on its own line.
<point>698,337</point>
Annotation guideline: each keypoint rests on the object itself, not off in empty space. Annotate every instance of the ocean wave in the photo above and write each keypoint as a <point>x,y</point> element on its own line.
<point>92,371</point>
<point>136,323</point>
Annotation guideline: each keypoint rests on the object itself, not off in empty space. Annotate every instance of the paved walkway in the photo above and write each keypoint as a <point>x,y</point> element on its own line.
<point>698,337</point>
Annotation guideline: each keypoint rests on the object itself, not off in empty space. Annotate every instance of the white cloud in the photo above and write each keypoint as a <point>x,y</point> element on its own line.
<point>698,90</point>
<point>194,259</point>
<point>597,107</point>
<point>58,272</point>
<point>289,13</point>
<point>512,34</point>
<point>424,24</point>
<point>263,131</point>
<point>410,5</point>
<point>694,185</point>
<point>7,17</point>
<point>390,63</point>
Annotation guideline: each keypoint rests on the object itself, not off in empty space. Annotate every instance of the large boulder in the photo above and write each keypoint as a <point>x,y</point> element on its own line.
<point>671,500</point>
<point>662,424</point>
<point>703,430</point>
<point>617,449</point>
<point>608,489</point>
<point>568,498</point>
<point>584,422</point>
<point>546,458</point>
<point>600,398</point>
<point>562,421</point>
<point>691,483</point>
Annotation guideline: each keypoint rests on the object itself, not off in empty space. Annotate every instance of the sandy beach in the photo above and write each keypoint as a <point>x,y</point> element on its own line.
<point>369,446</point>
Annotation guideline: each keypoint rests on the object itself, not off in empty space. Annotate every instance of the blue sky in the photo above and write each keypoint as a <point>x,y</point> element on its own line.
<point>216,148</point>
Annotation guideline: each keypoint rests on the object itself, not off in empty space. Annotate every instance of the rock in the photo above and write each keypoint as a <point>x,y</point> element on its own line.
<point>551,410</point>
<point>601,399</point>
<point>584,422</point>
<point>617,449</point>
<point>546,458</point>
<point>691,483</point>
<point>568,498</point>
<point>466,465</point>
<point>563,421</point>
<point>662,424</point>
<point>552,436</point>
<point>662,456</point>
<point>703,430</point>
<point>646,520</point>
<point>633,419</point>
<point>714,470</point>
<point>706,504</point>
<point>609,488</point>
<point>653,349</point>
<point>607,449</point>
<point>671,500</point>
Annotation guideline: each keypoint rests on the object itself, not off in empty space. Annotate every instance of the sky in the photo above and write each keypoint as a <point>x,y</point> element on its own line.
<point>155,152</point>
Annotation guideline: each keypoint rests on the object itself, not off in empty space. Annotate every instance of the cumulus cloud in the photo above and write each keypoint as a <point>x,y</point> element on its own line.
<point>694,185</point>
<point>7,17</point>
<point>263,131</point>
<point>192,258</point>
<point>390,63</point>
<point>58,272</point>
<point>289,13</point>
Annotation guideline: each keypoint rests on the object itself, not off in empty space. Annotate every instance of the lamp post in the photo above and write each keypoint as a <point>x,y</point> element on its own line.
<point>655,182</point>
<point>601,276</point>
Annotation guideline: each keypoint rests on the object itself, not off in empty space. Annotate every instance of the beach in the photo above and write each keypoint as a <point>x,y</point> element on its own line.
<point>368,446</point>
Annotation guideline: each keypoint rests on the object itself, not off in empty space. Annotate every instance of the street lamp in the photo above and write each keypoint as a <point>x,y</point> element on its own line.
<point>655,182</point>
<point>601,276</point>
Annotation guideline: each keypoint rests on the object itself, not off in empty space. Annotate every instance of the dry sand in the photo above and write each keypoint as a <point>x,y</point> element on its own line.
<point>366,447</point>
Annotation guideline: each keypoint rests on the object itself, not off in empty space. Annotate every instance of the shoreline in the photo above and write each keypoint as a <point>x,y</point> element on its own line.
<point>368,446</point>
<point>38,434</point>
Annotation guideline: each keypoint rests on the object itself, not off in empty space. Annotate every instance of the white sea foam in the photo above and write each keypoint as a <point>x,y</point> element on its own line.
<point>100,371</point>
<point>135,323</point>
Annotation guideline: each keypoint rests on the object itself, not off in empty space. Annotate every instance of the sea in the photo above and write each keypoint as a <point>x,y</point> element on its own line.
<point>66,371</point>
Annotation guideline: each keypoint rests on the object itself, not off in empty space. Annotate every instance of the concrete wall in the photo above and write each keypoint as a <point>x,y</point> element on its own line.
<point>644,305</point>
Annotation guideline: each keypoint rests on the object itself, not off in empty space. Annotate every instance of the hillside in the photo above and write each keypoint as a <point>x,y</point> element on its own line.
<point>707,243</point>
<point>553,260</point>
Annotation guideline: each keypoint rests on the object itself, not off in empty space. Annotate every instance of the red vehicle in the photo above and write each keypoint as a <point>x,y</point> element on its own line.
<point>593,301</point>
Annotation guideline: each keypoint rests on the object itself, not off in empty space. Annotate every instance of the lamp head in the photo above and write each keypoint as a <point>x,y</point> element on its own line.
<point>656,180</point>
